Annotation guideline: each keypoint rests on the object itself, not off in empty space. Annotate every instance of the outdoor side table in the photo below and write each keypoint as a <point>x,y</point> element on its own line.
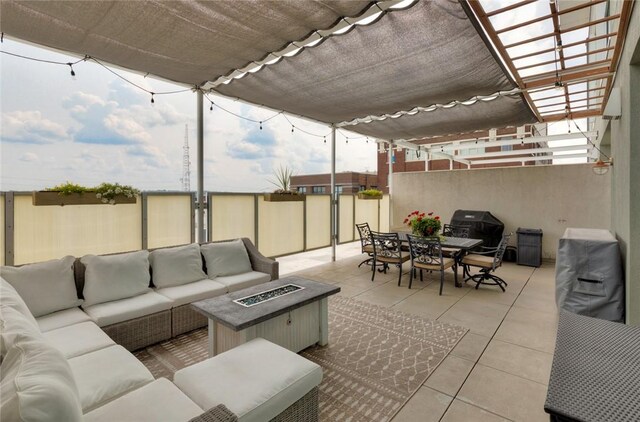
<point>595,374</point>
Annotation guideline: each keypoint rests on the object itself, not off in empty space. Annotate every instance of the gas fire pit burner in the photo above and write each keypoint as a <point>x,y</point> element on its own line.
<point>267,295</point>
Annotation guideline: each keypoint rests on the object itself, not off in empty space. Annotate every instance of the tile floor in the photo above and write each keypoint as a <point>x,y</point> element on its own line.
<point>499,371</point>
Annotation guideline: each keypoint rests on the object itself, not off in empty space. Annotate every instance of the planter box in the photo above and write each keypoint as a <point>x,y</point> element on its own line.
<point>283,197</point>
<point>362,196</point>
<point>87,198</point>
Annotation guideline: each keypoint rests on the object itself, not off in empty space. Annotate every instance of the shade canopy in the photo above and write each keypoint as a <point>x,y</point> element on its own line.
<point>430,53</point>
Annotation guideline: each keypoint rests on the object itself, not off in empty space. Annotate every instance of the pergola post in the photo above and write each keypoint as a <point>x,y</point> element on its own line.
<point>200,169</point>
<point>390,185</point>
<point>334,198</point>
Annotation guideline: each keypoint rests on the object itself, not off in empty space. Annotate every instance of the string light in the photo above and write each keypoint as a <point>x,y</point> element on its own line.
<point>153,94</point>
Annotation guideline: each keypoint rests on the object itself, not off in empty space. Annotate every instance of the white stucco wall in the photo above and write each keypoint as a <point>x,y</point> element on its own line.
<point>550,198</point>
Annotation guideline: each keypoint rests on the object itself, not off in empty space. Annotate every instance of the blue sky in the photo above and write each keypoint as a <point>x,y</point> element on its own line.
<point>97,128</point>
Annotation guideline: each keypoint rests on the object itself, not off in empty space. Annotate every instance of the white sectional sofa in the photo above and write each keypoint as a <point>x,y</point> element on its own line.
<point>59,364</point>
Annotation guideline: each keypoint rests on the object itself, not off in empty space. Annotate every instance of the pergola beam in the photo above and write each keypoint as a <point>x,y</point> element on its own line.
<point>510,7</point>
<point>449,147</point>
<point>528,151</point>
<point>528,159</point>
<point>574,115</point>
<point>575,56</point>
<point>573,44</point>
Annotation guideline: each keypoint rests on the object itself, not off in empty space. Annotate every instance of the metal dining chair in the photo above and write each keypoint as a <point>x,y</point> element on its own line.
<point>454,231</point>
<point>426,254</point>
<point>366,244</point>
<point>488,260</point>
<point>387,250</point>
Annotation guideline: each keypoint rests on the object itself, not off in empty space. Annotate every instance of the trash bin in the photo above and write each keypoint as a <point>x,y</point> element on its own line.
<point>529,247</point>
<point>589,278</point>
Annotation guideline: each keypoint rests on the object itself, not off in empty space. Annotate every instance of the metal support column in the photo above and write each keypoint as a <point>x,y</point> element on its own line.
<point>200,166</point>
<point>390,185</point>
<point>334,199</point>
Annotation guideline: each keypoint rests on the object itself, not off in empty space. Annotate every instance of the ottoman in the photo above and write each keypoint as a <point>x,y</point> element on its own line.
<point>257,381</point>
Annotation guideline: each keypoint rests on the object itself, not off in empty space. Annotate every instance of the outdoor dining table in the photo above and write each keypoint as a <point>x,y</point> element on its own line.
<point>462,243</point>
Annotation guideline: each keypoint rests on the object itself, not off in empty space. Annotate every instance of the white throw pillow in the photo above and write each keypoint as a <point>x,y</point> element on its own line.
<point>45,287</point>
<point>176,266</point>
<point>9,298</point>
<point>226,258</point>
<point>115,277</point>
<point>37,384</point>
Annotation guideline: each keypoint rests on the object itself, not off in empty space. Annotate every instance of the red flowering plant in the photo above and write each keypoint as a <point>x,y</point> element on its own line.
<point>423,224</point>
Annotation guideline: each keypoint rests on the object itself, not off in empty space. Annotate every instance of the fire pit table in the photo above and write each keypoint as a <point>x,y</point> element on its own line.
<point>291,312</point>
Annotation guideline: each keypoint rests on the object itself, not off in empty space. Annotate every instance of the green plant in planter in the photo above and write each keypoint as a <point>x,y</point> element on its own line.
<point>107,192</point>
<point>371,192</point>
<point>283,180</point>
<point>68,188</point>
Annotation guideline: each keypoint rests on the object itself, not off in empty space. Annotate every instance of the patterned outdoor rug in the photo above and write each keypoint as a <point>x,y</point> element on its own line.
<point>376,359</point>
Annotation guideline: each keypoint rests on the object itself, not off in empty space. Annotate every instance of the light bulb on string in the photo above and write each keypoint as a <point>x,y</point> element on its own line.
<point>211,106</point>
<point>152,100</point>
<point>260,125</point>
<point>73,73</point>
<point>292,128</point>
<point>367,139</point>
<point>347,139</point>
<point>325,139</point>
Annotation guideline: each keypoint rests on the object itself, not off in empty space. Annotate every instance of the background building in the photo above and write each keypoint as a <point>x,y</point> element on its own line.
<point>346,182</point>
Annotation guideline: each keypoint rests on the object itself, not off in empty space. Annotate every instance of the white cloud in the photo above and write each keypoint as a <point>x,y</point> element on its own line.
<point>29,157</point>
<point>29,127</point>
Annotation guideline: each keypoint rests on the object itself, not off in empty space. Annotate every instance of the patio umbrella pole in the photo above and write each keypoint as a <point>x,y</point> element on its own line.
<point>389,185</point>
<point>200,160</point>
<point>334,197</point>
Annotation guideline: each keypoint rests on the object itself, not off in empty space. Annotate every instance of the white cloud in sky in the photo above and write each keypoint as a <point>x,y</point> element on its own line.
<point>99,128</point>
<point>29,127</point>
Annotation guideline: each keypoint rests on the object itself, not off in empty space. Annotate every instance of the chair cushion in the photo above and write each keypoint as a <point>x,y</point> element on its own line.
<point>160,400</point>
<point>107,374</point>
<point>62,319</point>
<point>256,380</point>
<point>226,258</point>
<point>115,277</point>
<point>176,266</point>
<point>446,263</point>
<point>392,260</point>
<point>109,313</point>
<point>242,281</point>
<point>45,287</point>
<point>192,292</point>
<point>37,383</point>
<point>78,339</point>
<point>478,260</point>
<point>368,248</point>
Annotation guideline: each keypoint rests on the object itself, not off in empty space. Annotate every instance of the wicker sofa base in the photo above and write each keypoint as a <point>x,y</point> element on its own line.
<point>141,332</point>
<point>304,410</point>
<point>184,319</point>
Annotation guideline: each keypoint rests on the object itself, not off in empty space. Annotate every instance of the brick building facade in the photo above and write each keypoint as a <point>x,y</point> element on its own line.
<point>346,182</point>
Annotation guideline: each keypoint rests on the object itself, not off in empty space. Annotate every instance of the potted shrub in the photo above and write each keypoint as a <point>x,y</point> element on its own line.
<point>423,224</point>
<point>370,194</point>
<point>283,183</point>
<point>74,194</point>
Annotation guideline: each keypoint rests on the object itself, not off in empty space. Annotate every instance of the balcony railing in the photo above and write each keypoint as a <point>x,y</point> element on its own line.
<point>31,233</point>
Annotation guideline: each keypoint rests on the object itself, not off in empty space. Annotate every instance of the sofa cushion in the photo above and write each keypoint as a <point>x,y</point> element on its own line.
<point>109,313</point>
<point>45,287</point>
<point>226,258</point>
<point>258,380</point>
<point>78,339</point>
<point>107,374</point>
<point>242,281</point>
<point>62,319</point>
<point>192,292</point>
<point>160,400</point>
<point>37,383</point>
<point>13,326</point>
<point>176,266</point>
<point>10,298</point>
<point>115,277</point>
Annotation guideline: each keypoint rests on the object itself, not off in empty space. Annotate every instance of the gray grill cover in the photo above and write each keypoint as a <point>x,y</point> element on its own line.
<point>589,278</point>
